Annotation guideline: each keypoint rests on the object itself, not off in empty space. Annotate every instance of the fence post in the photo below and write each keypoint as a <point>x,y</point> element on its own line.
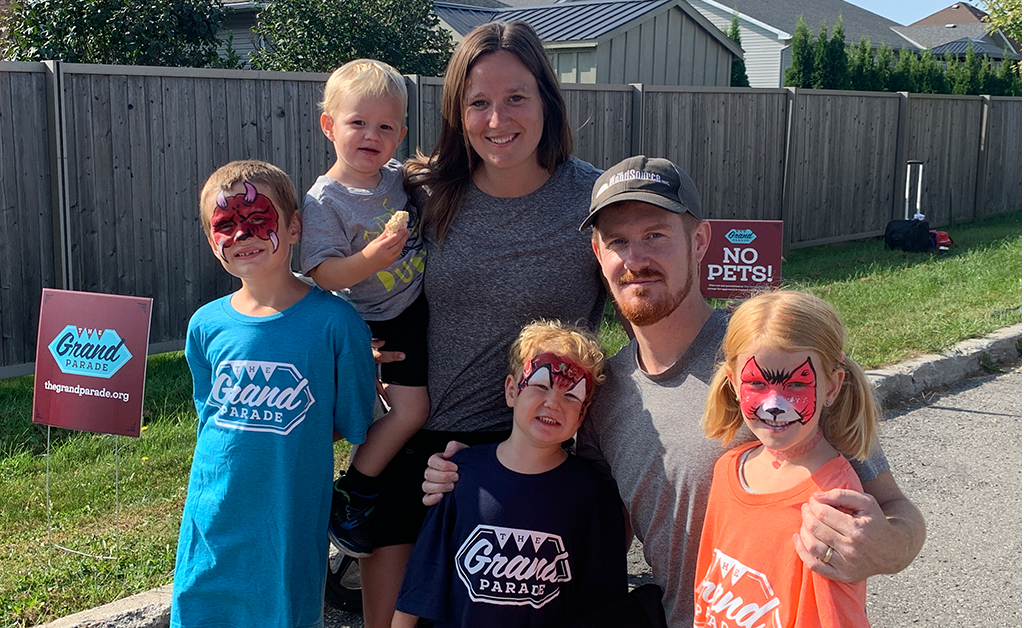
<point>981,188</point>
<point>58,180</point>
<point>902,143</point>
<point>412,137</point>
<point>787,201</point>
<point>636,143</point>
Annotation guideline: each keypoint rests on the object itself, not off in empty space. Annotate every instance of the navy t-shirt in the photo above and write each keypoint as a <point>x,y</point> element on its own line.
<point>513,550</point>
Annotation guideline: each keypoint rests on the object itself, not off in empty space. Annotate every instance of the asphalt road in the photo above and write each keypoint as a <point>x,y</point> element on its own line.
<point>957,455</point>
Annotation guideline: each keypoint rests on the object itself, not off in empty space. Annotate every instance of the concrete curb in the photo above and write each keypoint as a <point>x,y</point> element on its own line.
<point>902,381</point>
<point>152,609</point>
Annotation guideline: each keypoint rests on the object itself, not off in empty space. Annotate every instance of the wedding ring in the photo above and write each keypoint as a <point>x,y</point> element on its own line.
<point>828,556</point>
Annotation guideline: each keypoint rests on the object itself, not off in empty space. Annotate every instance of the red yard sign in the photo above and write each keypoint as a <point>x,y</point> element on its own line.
<point>743,256</point>
<point>91,361</point>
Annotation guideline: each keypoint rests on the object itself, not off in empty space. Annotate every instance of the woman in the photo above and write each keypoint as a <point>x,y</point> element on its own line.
<point>503,249</point>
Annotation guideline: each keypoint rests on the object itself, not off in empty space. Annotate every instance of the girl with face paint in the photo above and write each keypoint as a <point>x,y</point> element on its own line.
<point>786,380</point>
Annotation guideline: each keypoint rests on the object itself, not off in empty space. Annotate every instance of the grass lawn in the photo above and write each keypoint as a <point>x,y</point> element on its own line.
<point>894,304</point>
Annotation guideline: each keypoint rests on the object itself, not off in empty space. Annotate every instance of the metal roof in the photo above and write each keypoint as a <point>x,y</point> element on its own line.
<point>570,21</point>
<point>958,48</point>
<point>932,36</point>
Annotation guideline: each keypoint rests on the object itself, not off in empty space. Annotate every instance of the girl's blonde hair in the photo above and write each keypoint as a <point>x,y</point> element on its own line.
<point>568,341</point>
<point>795,321</point>
<point>364,77</point>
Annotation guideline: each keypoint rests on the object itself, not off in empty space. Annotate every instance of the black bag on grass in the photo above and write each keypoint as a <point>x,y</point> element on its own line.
<point>907,235</point>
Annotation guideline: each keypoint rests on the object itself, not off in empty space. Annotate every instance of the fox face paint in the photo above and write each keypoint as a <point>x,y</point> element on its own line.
<point>243,216</point>
<point>778,398</point>
<point>548,369</point>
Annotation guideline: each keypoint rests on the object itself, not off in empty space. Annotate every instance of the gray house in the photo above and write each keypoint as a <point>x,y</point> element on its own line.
<point>767,27</point>
<point>655,42</point>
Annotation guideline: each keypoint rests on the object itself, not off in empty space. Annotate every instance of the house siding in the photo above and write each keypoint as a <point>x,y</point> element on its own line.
<point>762,50</point>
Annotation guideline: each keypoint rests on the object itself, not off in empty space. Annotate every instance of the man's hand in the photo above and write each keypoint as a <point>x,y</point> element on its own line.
<point>441,474</point>
<point>381,357</point>
<point>879,532</point>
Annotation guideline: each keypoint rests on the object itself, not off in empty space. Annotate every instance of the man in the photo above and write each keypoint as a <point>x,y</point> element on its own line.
<point>644,425</point>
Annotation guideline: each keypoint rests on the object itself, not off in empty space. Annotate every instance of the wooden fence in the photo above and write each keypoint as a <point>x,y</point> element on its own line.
<point>101,167</point>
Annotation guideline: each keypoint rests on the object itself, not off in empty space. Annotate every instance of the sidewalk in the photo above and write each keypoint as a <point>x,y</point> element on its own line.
<point>893,384</point>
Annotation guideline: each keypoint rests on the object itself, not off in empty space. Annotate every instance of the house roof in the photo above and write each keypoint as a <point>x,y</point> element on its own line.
<point>568,21</point>
<point>783,15</point>
<point>959,13</point>
<point>931,36</point>
<point>958,48</point>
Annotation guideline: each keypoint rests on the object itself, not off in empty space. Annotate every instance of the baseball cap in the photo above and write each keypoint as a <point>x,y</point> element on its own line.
<point>649,180</point>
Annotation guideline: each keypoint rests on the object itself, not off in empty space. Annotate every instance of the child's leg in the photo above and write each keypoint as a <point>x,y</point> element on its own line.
<point>410,406</point>
<point>381,578</point>
<point>356,492</point>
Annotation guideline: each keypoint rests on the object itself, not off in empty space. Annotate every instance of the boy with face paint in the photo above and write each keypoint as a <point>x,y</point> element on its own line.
<point>277,368</point>
<point>531,536</point>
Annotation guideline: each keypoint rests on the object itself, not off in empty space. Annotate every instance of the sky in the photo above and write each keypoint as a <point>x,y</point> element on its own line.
<point>906,11</point>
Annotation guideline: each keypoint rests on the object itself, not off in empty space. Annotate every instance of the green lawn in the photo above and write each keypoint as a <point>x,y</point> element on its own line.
<point>895,305</point>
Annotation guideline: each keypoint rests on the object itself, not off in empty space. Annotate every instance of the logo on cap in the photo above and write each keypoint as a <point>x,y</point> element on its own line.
<point>631,175</point>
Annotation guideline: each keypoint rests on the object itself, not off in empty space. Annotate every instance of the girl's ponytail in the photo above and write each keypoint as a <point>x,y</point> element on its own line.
<point>850,422</point>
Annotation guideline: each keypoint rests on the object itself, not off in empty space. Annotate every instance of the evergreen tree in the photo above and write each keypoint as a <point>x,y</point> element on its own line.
<point>902,77</point>
<point>860,64</point>
<point>1009,76</point>
<point>837,64</point>
<point>739,68</point>
<point>883,68</point>
<point>819,75</point>
<point>800,72</point>
<point>928,75</point>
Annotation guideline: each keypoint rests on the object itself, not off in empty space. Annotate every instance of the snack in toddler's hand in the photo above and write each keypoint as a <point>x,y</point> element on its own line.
<point>397,222</point>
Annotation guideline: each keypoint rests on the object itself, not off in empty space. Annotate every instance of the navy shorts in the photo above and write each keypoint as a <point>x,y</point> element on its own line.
<point>407,333</point>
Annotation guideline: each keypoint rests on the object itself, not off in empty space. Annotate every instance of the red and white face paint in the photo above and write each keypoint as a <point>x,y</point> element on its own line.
<point>555,371</point>
<point>243,216</point>
<point>778,399</point>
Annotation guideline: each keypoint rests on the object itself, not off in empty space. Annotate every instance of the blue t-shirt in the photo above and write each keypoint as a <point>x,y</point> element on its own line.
<point>510,550</point>
<point>269,391</point>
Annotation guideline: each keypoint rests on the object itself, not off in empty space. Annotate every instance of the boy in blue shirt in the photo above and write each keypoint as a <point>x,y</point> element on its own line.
<point>277,368</point>
<point>530,536</point>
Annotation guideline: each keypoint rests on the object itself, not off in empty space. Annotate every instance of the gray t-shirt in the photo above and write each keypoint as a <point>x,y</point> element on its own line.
<point>339,221</point>
<point>645,431</point>
<point>504,263</point>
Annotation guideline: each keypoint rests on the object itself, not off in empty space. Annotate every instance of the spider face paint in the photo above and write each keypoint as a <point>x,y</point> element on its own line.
<point>554,371</point>
<point>243,216</point>
<point>778,399</point>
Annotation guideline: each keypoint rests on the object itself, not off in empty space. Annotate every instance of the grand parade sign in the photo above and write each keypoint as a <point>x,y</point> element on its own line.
<point>743,256</point>
<point>91,361</point>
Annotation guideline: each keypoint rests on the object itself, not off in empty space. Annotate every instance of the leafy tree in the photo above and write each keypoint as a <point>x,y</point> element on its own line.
<point>966,77</point>
<point>837,66</point>
<point>128,32</point>
<point>739,68</point>
<point>1004,15</point>
<point>862,66</point>
<point>883,67</point>
<point>800,72</point>
<point>320,35</point>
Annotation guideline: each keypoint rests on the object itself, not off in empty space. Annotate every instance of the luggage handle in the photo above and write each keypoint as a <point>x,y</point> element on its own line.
<point>906,195</point>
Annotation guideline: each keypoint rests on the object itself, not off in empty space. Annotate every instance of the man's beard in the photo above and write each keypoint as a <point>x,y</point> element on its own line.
<point>642,312</point>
